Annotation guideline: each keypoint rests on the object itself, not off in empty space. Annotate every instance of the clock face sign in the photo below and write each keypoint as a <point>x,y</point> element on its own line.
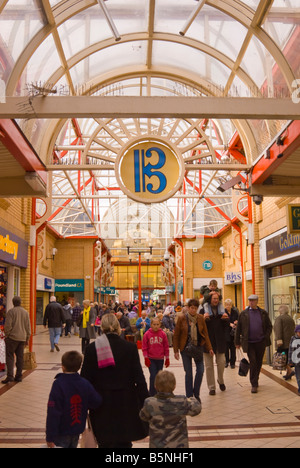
<point>149,171</point>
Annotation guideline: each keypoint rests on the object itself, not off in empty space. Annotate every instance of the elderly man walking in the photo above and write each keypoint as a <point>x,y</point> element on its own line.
<point>17,333</point>
<point>253,333</point>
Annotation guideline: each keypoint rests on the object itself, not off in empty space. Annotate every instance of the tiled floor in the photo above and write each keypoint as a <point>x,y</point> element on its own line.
<point>235,418</point>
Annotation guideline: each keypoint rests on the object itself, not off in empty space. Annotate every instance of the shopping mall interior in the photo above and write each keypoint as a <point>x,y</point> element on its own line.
<point>147,147</point>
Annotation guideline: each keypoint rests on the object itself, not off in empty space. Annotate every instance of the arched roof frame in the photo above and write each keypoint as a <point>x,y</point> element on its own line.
<point>237,10</point>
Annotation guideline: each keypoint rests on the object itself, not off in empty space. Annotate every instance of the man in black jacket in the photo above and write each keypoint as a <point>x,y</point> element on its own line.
<point>253,333</point>
<point>217,322</point>
<point>54,316</point>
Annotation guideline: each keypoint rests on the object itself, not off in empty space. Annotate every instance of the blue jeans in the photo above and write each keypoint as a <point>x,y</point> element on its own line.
<point>155,367</point>
<point>54,336</point>
<point>192,389</point>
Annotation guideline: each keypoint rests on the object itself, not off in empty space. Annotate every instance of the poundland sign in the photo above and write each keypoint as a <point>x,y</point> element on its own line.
<point>69,285</point>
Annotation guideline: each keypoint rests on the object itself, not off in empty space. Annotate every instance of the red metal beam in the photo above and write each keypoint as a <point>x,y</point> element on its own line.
<point>265,167</point>
<point>19,147</point>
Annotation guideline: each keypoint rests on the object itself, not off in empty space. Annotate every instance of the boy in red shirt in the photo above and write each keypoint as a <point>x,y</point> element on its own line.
<point>155,349</point>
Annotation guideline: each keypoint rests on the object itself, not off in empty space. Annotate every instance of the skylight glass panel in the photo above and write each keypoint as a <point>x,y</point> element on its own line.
<point>19,22</point>
<point>217,29</point>
<point>42,63</point>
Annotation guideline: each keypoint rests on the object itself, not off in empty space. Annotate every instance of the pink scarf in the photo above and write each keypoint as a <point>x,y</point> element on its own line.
<point>105,356</point>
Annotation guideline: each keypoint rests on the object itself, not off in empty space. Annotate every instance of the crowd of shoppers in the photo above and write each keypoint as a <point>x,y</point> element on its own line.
<point>206,333</point>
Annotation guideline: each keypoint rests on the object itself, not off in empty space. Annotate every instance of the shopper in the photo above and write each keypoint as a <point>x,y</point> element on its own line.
<point>143,324</point>
<point>253,333</point>
<point>68,319</point>
<point>208,291</point>
<point>233,315</point>
<point>166,414</point>
<point>122,385</point>
<point>76,314</point>
<point>155,348</point>
<point>217,326</point>
<point>294,354</point>
<point>70,399</point>
<point>54,318</point>
<point>191,328</point>
<point>284,328</point>
<point>87,327</point>
<point>17,331</point>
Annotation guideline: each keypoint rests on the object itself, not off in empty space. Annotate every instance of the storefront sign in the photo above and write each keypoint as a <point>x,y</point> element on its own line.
<point>293,216</point>
<point>13,249</point>
<point>280,246</point>
<point>69,285</point>
<point>43,283</point>
<point>110,291</point>
<point>233,277</point>
<point>149,171</point>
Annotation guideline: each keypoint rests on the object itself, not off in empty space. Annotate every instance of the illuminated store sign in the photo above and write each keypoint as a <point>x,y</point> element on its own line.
<point>13,249</point>
<point>150,171</point>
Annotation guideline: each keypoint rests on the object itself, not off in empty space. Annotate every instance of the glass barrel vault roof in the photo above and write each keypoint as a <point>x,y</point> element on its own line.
<point>185,48</point>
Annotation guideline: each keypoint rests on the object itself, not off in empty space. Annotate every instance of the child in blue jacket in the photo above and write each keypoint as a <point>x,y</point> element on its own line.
<point>70,399</point>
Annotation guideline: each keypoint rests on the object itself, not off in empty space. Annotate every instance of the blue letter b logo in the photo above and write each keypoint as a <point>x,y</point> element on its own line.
<point>143,170</point>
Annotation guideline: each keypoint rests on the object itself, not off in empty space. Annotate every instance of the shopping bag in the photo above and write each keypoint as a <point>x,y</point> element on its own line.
<point>88,439</point>
<point>279,361</point>
<point>29,361</point>
<point>244,367</point>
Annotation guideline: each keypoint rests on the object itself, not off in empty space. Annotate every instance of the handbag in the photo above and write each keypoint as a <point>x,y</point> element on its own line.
<point>195,352</point>
<point>88,439</point>
<point>29,361</point>
<point>79,320</point>
<point>244,367</point>
<point>279,361</point>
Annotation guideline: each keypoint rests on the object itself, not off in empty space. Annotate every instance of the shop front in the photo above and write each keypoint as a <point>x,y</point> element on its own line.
<point>13,257</point>
<point>44,290</point>
<point>280,257</point>
<point>69,291</point>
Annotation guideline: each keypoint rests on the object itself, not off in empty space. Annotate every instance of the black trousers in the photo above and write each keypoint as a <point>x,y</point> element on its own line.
<point>14,348</point>
<point>256,353</point>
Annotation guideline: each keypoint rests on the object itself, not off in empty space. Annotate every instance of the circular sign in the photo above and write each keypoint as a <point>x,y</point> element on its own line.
<point>149,171</point>
<point>207,265</point>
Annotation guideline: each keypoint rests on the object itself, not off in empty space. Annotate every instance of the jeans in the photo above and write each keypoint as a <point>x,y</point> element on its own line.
<point>67,441</point>
<point>54,336</point>
<point>155,367</point>
<point>190,388</point>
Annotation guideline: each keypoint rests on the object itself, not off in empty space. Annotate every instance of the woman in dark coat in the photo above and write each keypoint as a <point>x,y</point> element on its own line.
<point>123,389</point>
